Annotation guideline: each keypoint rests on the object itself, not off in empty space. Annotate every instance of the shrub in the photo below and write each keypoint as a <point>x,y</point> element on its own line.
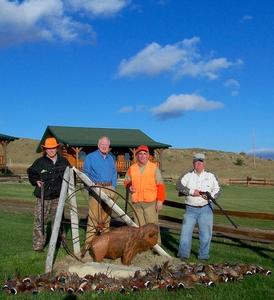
<point>239,162</point>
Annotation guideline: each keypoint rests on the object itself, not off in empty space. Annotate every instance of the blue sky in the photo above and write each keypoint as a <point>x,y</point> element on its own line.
<point>192,74</point>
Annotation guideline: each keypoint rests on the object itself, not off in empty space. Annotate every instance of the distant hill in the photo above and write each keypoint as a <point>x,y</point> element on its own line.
<point>175,161</point>
<point>223,164</point>
<point>22,151</point>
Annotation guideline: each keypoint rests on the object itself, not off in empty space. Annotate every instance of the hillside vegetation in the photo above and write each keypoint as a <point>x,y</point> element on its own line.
<point>223,164</point>
<point>21,153</point>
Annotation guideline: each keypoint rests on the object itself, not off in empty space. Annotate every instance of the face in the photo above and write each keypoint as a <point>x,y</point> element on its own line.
<point>142,157</point>
<point>103,145</point>
<point>199,166</point>
<point>51,152</point>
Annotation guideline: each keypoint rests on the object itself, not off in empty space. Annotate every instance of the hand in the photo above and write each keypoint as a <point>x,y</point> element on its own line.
<point>39,183</point>
<point>159,206</point>
<point>204,195</point>
<point>197,193</point>
<point>132,189</point>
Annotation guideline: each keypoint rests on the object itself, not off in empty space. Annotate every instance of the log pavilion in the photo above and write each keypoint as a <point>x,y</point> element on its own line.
<point>77,142</point>
<point>4,141</point>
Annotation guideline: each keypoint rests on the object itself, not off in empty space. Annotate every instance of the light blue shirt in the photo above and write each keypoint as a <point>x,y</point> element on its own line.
<point>100,169</point>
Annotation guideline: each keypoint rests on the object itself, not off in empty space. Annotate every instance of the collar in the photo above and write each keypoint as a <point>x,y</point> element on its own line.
<point>198,173</point>
<point>55,159</point>
<point>142,165</point>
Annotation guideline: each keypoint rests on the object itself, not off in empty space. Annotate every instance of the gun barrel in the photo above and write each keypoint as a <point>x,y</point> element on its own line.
<point>42,208</point>
<point>216,203</point>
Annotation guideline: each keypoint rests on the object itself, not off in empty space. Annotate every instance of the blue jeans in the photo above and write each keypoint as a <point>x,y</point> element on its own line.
<point>204,217</point>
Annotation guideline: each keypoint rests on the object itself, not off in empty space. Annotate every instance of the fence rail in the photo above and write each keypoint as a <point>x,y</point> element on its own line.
<point>251,181</point>
<point>250,233</point>
<point>14,178</point>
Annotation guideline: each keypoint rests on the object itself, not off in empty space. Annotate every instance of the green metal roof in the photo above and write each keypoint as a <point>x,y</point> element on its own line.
<point>84,136</point>
<point>9,138</point>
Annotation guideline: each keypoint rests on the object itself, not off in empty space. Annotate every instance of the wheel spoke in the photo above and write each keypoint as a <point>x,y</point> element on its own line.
<point>109,220</point>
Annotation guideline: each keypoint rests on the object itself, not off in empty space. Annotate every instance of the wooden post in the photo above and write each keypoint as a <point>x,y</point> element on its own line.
<point>4,157</point>
<point>77,150</point>
<point>57,222</point>
<point>73,214</point>
<point>115,207</point>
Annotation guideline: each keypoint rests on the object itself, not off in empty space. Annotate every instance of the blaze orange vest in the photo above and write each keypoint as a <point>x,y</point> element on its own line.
<point>145,185</point>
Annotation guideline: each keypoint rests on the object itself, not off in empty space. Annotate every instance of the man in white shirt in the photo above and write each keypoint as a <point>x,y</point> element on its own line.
<point>193,186</point>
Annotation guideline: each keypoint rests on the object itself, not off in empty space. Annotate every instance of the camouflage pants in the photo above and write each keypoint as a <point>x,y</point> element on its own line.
<point>50,208</point>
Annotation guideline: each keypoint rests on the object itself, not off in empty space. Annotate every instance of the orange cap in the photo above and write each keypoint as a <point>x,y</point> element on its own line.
<point>142,148</point>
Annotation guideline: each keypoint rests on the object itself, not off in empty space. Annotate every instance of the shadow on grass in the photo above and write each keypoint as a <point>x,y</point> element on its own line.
<point>258,249</point>
<point>170,241</point>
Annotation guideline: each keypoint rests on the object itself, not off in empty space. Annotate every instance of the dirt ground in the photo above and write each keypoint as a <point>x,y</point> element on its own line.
<point>16,205</point>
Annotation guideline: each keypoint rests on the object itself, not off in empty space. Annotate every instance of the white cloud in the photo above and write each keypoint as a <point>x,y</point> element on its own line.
<point>246,18</point>
<point>181,59</point>
<point>98,7</point>
<point>234,93</point>
<point>154,59</point>
<point>35,20</point>
<point>125,109</point>
<point>267,153</point>
<point>176,105</point>
<point>141,107</point>
<point>231,83</point>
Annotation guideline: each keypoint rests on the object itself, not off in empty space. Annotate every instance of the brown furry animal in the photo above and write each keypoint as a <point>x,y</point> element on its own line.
<point>124,242</point>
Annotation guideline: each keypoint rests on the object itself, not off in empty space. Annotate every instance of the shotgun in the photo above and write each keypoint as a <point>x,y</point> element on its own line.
<point>127,195</point>
<point>42,208</point>
<point>216,203</point>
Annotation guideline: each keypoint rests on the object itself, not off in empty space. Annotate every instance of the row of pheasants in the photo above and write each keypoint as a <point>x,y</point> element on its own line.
<point>184,276</point>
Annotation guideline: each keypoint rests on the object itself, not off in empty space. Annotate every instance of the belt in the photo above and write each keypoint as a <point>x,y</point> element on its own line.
<point>103,184</point>
<point>197,206</point>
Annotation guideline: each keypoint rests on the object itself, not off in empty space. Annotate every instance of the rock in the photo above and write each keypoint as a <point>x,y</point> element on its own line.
<point>117,271</point>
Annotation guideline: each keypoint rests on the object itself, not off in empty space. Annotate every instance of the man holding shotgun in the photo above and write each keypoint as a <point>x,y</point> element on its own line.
<point>46,174</point>
<point>196,185</point>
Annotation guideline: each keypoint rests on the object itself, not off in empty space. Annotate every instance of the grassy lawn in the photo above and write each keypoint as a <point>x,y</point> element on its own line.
<point>16,247</point>
<point>235,198</point>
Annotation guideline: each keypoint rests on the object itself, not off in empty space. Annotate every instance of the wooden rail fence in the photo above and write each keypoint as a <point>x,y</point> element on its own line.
<point>251,181</point>
<point>241,232</point>
<point>14,178</point>
<point>250,233</point>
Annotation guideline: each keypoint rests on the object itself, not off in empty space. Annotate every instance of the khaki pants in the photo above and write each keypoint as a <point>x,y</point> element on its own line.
<point>146,213</point>
<point>99,214</point>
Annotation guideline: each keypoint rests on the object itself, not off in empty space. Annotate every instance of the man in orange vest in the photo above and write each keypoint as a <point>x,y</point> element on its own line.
<point>145,182</point>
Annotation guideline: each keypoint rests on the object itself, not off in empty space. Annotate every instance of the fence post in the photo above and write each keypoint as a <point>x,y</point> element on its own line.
<point>115,208</point>
<point>57,222</point>
<point>73,214</point>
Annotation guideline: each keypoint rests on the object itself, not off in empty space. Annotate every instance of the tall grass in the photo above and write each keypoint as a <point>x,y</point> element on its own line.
<point>16,249</point>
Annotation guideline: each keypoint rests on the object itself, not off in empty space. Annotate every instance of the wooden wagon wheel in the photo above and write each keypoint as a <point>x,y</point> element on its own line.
<point>97,225</point>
